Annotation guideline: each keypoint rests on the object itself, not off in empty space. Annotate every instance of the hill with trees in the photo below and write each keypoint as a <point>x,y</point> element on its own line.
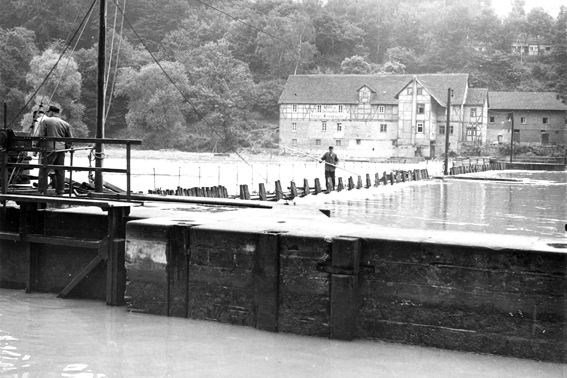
<point>206,75</point>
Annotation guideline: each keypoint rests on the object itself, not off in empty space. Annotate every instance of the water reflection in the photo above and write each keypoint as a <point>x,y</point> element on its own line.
<point>534,205</point>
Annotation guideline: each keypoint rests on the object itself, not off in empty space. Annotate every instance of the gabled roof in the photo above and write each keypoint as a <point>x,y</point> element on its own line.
<point>525,101</point>
<point>476,96</point>
<point>343,89</point>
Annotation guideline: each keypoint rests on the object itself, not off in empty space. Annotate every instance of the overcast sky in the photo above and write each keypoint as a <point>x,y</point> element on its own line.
<point>502,7</point>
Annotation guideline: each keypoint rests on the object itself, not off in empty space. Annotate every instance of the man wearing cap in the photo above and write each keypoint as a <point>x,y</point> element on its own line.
<point>331,160</point>
<point>53,126</point>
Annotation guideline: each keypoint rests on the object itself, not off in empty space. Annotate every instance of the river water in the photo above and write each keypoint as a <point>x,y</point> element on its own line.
<point>42,336</point>
<point>533,204</point>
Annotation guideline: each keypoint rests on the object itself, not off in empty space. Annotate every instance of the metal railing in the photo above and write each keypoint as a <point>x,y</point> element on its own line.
<point>24,144</point>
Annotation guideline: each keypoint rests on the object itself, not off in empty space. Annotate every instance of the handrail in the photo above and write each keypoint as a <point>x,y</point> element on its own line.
<point>18,138</point>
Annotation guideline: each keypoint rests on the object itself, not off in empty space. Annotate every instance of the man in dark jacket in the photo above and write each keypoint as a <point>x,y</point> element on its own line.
<point>53,126</point>
<point>331,160</point>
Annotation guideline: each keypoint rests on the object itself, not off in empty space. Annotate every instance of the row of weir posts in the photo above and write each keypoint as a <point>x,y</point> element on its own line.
<point>211,192</point>
<point>300,191</point>
<point>471,168</point>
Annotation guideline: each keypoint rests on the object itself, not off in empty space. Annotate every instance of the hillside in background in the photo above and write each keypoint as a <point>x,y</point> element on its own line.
<point>206,75</point>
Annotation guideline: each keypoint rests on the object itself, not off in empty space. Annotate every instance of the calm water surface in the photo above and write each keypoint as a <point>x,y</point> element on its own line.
<point>534,206</point>
<point>42,336</point>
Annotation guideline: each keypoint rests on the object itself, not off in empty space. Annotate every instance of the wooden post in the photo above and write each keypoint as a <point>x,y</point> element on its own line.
<point>376,179</point>
<point>306,188</point>
<point>385,179</point>
<point>115,264</point>
<point>350,183</point>
<point>340,185</point>
<point>391,178</point>
<point>262,192</point>
<point>403,176</point>
<point>317,186</point>
<point>344,288</point>
<point>359,183</point>
<point>293,189</point>
<point>368,181</point>
<point>266,281</point>
<point>279,191</point>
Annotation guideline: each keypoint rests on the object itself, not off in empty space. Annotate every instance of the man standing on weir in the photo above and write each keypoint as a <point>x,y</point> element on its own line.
<point>331,160</point>
<point>53,126</point>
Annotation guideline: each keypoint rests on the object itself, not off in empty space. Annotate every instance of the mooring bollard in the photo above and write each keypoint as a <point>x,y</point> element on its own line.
<point>376,180</point>
<point>403,176</point>
<point>368,182</point>
<point>385,178</point>
<point>359,183</point>
<point>340,185</point>
<point>391,178</point>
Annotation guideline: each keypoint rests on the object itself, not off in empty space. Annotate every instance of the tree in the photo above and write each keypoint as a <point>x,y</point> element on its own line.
<point>355,65</point>
<point>559,54</point>
<point>222,91</point>
<point>62,87</point>
<point>16,50</point>
<point>293,50</point>
<point>156,107</point>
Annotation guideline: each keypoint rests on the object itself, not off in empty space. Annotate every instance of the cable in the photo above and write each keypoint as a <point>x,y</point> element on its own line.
<point>115,67</point>
<point>54,66</point>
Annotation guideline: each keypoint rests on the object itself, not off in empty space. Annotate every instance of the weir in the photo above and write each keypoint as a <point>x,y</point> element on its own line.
<point>284,268</point>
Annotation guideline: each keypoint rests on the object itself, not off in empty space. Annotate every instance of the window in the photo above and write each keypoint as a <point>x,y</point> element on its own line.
<point>420,108</point>
<point>364,95</point>
<point>419,91</point>
<point>294,127</point>
<point>294,108</point>
<point>499,139</point>
<point>338,142</point>
<point>324,126</point>
<point>471,131</point>
<point>523,120</point>
<point>294,142</point>
<point>381,109</point>
<point>340,108</point>
<point>339,126</point>
<point>441,129</point>
<point>358,141</point>
<point>545,120</point>
<point>383,128</point>
<point>318,108</point>
<point>491,119</point>
<point>473,112</point>
<point>451,130</point>
<point>420,127</point>
<point>317,142</point>
<point>410,91</point>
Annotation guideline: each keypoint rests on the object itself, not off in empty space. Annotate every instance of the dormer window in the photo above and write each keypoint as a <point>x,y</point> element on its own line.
<point>364,95</point>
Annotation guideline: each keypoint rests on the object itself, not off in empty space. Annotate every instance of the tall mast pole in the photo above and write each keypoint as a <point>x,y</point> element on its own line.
<point>99,150</point>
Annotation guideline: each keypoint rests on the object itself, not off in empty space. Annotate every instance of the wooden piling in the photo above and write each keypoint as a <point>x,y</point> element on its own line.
<point>368,181</point>
<point>306,188</point>
<point>330,185</point>
<point>340,185</point>
<point>385,179</point>
<point>350,183</point>
<point>376,179</point>
<point>359,183</point>
<point>279,191</point>
<point>293,189</point>
<point>317,186</point>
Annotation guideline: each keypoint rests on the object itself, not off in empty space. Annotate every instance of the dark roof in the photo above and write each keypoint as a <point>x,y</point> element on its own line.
<point>343,89</point>
<point>476,96</point>
<point>525,101</point>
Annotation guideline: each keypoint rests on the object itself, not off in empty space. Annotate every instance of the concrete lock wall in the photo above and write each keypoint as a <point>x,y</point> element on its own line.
<point>487,294</point>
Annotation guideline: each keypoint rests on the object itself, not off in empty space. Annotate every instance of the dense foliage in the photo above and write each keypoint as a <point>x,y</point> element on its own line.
<point>206,75</point>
